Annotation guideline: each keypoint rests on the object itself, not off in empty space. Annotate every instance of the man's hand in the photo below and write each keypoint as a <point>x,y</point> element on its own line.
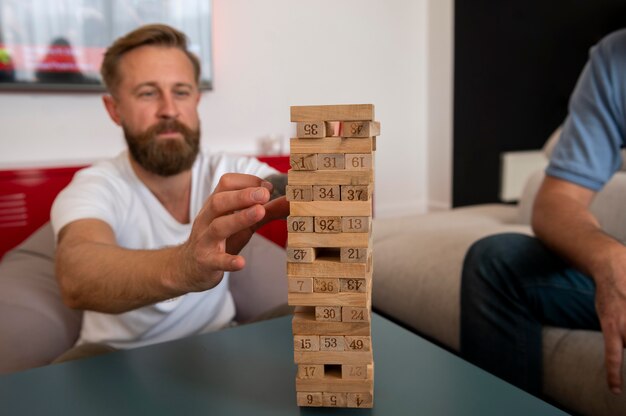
<point>611,308</point>
<point>238,206</point>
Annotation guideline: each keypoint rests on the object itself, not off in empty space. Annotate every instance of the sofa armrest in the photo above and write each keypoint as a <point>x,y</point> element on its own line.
<point>35,325</point>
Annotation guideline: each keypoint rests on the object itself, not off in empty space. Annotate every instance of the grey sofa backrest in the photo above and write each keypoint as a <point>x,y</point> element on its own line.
<point>608,206</point>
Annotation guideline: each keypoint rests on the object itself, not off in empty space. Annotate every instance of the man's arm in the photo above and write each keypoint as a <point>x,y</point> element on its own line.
<point>96,274</point>
<point>562,220</point>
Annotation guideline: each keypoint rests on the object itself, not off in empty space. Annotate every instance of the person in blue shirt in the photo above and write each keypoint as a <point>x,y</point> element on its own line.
<point>572,274</point>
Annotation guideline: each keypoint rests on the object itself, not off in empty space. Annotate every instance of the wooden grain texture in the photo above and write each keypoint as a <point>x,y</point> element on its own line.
<point>331,145</point>
<point>328,240</point>
<point>360,128</point>
<point>352,112</point>
<point>331,208</point>
<point>330,177</point>
<point>325,267</point>
<point>333,357</point>
<point>311,129</point>
<point>328,299</point>
<point>305,324</point>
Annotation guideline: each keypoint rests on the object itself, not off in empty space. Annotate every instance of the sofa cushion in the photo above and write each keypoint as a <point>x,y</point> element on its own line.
<point>417,265</point>
<point>35,325</point>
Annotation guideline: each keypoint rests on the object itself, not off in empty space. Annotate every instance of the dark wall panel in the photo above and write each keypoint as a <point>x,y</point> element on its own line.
<point>516,63</point>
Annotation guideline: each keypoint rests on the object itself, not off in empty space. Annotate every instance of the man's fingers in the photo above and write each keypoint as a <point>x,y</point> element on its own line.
<point>226,262</point>
<point>238,181</point>
<point>224,203</point>
<point>223,227</point>
<point>613,357</point>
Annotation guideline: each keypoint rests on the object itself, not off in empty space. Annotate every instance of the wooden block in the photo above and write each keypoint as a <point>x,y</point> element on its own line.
<point>310,371</point>
<point>332,357</point>
<point>326,192</point>
<point>355,224</point>
<point>357,343</point>
<point>355,314</point>
<point>310,399</point>
<point>360,128</point>
<point>352,285</point>
<point>305,323</point>
<point>361,400</point>
<point>311,129</point>
<point>303,161</point>
<point>300,255</point>
<point>326,267</point>
<point>331,399</point>
<point>330,177</point>
<point>354,254</point>
<point>333,128</point>
<point>300,284</point>
<point>331,209</point>
<point>328,313</point>
<point>327,224</point>
<point>331,145</point>
<point>306,342</point>
<point>327,239</point>
<point>331,161</point>
<point>332,343</point>
<point>321,285</point>
<point>355,192</point>
<point>300,193</point>
<point>328,300</point>
<point>354,372</point>
<point>300,224</point>
<point>332,382</point>
<point>358,161</point>
<point>356,112</point>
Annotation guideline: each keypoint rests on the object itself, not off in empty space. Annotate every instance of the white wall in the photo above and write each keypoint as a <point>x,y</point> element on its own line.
<point>269,55</point>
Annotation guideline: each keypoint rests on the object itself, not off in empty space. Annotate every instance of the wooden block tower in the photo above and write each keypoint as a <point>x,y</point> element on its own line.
<point>329,253</point>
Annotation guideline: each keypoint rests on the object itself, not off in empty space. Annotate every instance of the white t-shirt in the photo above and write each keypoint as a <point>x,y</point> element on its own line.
<point>110,191</point>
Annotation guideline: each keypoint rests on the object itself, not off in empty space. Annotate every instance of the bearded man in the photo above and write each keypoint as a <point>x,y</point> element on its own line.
<point>145,241</point>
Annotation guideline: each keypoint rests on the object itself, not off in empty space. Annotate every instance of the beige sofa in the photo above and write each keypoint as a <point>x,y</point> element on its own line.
<point>417,271</point>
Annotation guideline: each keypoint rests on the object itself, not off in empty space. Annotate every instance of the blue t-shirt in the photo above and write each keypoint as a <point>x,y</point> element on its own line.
<point>588,152</point>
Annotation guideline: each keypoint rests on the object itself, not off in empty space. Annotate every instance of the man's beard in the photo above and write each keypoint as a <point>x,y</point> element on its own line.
<point>164,157</point>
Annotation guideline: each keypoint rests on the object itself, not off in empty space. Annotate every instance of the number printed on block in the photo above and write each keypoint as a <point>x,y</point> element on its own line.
<point>359,400</point>
<point>300,284</point>
<point>309,399</point>
<point>335,399</point>
<point>358,161</point>
<point>301,255</point>
<point>355,192</point>
<point>299,193</point>
<point>332,343</point>
<point>353,372</point>
<point>352,285</point>
<point>353,254</point>
<point>355,224</point>
<point>327,225</point>
<point>300,224</point>
<point>325,285</point>
<point>360,128</point>
<point>306,342</point>
<point>354,314</point>
<point>329,313</point>
<point>303,161</point>
<point>326,192</point>
<point>357,343</point>
<point>310,371</point>
<point>326,161</point>
<point>311,129</point>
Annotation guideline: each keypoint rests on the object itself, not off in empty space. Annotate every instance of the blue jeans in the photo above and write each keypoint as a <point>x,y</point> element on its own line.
<point>511,286</point>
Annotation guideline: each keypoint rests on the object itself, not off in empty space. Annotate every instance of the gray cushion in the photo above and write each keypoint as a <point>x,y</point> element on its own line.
<point>35,325</point>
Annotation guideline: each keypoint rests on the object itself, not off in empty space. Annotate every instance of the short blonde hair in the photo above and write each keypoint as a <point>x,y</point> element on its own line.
<point>154,34</point>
